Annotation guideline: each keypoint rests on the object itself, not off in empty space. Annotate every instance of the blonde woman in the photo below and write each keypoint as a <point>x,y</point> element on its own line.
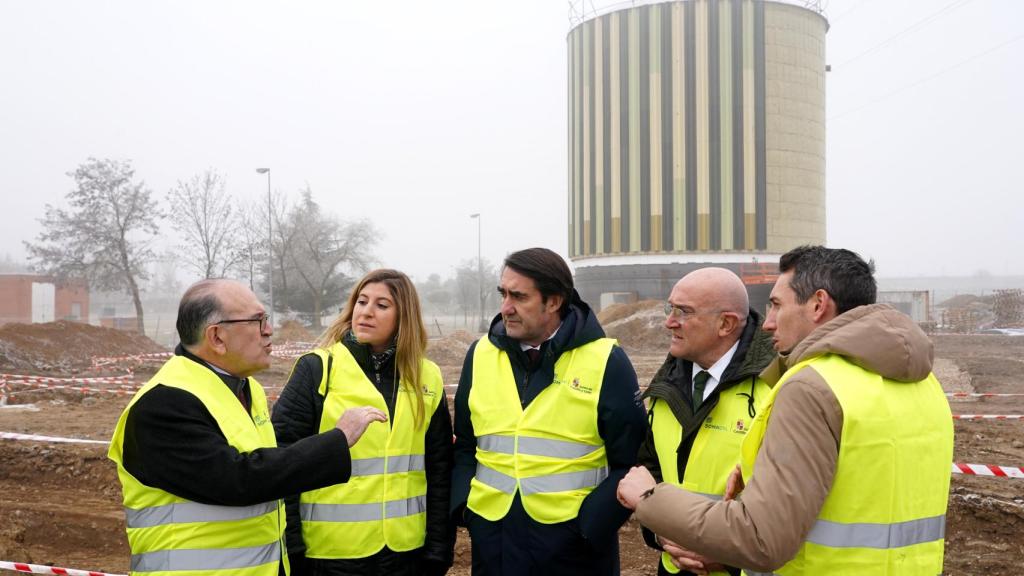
<point>391,516</point>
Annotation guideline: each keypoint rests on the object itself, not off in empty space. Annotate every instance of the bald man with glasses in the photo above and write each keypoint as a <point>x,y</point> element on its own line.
<point>200,471</point>
<point>701,401</point>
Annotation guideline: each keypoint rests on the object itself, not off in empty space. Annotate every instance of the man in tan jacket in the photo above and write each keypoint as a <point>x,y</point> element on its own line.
<point>857,384</point>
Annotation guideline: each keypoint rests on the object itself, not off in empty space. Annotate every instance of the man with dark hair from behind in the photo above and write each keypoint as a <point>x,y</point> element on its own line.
<point>846,466</point>
<point>196,456</point>
<point>547,420</point>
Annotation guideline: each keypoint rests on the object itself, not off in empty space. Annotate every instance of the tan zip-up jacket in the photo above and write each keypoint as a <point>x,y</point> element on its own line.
<point>765,528</point>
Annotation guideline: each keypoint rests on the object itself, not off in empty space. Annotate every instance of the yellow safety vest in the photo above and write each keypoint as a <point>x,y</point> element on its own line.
<point>886,510</point>
<point>384,502</point>
<point>716,448</point>
<point>167,533</point>
<point>551,452</point>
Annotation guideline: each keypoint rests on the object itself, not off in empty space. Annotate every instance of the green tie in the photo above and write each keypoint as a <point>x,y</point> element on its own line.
<point>699,382</point>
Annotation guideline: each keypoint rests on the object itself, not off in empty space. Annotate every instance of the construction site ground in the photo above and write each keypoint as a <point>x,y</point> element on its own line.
<point>60,503</point>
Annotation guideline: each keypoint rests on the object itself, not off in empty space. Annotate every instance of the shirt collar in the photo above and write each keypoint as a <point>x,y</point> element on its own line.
<point>718,368</point>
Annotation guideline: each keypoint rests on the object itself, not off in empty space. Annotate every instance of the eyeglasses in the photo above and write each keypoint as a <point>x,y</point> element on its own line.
<point>682,314</point>
<point>262,319</point>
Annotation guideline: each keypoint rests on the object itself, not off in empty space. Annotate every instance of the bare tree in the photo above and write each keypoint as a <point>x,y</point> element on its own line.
<point>281,249</point>
<point>252,243</point>
<point>324,254</point>
<point>434,294</point>
<point>9,266</point>
<point>206,216</point>
<point>104,234</point>
<point>475,287</point>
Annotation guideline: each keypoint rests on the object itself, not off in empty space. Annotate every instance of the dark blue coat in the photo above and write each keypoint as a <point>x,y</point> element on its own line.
<point>588,544</point>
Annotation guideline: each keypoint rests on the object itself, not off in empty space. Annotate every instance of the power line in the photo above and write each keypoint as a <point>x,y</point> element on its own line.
<point>927,78</point>
<point>844,14</point>
<point>913,27</point>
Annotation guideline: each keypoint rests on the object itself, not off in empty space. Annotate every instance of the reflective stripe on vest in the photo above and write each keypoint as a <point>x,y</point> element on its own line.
<point>584,479</point>
<point>188,512</point>
<point>169,533</point>
<point>865,535</point>
<point>551,451</point>
<point>206,560</point>
<point>535,446</point>
<point>384,501</point>
<point>894,454</point>
<point>362,512</point>
<point>395,464</point>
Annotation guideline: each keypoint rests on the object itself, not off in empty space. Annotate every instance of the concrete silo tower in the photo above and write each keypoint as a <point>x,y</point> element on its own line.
<point>696,137</point>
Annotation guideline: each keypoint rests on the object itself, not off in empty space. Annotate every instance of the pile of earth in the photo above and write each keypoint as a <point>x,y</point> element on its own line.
<point>639,326</point>
<point>65,347</point>
<point>293,331</point>
<point>450,350</point>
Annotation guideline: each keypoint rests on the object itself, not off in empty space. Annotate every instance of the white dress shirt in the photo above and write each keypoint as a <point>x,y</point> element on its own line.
<point>715,371</point>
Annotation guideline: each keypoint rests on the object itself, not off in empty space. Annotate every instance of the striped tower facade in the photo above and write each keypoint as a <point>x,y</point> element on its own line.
<point>696,135</point>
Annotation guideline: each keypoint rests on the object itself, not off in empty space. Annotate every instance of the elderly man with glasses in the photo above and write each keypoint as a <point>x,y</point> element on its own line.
<point>701,401</point>
<point>196,455</point>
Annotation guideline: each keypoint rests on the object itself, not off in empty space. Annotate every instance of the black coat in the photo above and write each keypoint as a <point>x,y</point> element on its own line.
<point>587,544</point>
<point>297,416</point>
<point>172,442</point>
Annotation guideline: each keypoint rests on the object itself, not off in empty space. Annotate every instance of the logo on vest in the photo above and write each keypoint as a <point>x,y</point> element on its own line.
<point>709,423</point>
<point>261,419</point>
<point>575,385</point>
<point>741,427</point>
<point>427,392</point>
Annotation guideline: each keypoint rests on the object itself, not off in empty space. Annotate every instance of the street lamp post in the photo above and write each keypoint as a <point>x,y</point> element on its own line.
<point>479,271</point>
<point>270,243</point>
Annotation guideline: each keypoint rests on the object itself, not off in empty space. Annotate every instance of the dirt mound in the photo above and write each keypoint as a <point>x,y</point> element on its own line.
<point>985,531</point>
<point>65,346</point>
<point>962,300</point>
<point>450,350</point>
<point>620,311</point>
<point>40,525</point>
<point>639,327</point>
<point>293,331</point>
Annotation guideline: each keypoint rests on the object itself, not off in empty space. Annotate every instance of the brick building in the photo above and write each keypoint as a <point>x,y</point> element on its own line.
<point>32,298</point>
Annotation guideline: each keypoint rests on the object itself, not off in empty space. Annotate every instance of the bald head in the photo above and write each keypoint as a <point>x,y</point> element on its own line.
<point>713,308</point>
<point>716,288</point>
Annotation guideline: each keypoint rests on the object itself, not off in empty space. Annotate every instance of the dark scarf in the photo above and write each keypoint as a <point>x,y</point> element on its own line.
<point>378,359</point>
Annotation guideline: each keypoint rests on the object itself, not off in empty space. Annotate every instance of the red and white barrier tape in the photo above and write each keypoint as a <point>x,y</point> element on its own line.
<point>105,360</point>
<point>981,395</point>
<point>987,416</point>
<point>86,389</point>
<point>37,569</point>
<point>19,378</point>
<point>277,350</point>
<point>988,470</point>
<point>297,344</point>
<point>35,438</point>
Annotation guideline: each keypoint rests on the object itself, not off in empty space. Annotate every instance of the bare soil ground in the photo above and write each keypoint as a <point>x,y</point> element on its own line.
<point>60,503</point>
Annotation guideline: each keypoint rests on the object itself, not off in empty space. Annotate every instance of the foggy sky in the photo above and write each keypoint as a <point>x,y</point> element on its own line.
<point>417,114</point>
